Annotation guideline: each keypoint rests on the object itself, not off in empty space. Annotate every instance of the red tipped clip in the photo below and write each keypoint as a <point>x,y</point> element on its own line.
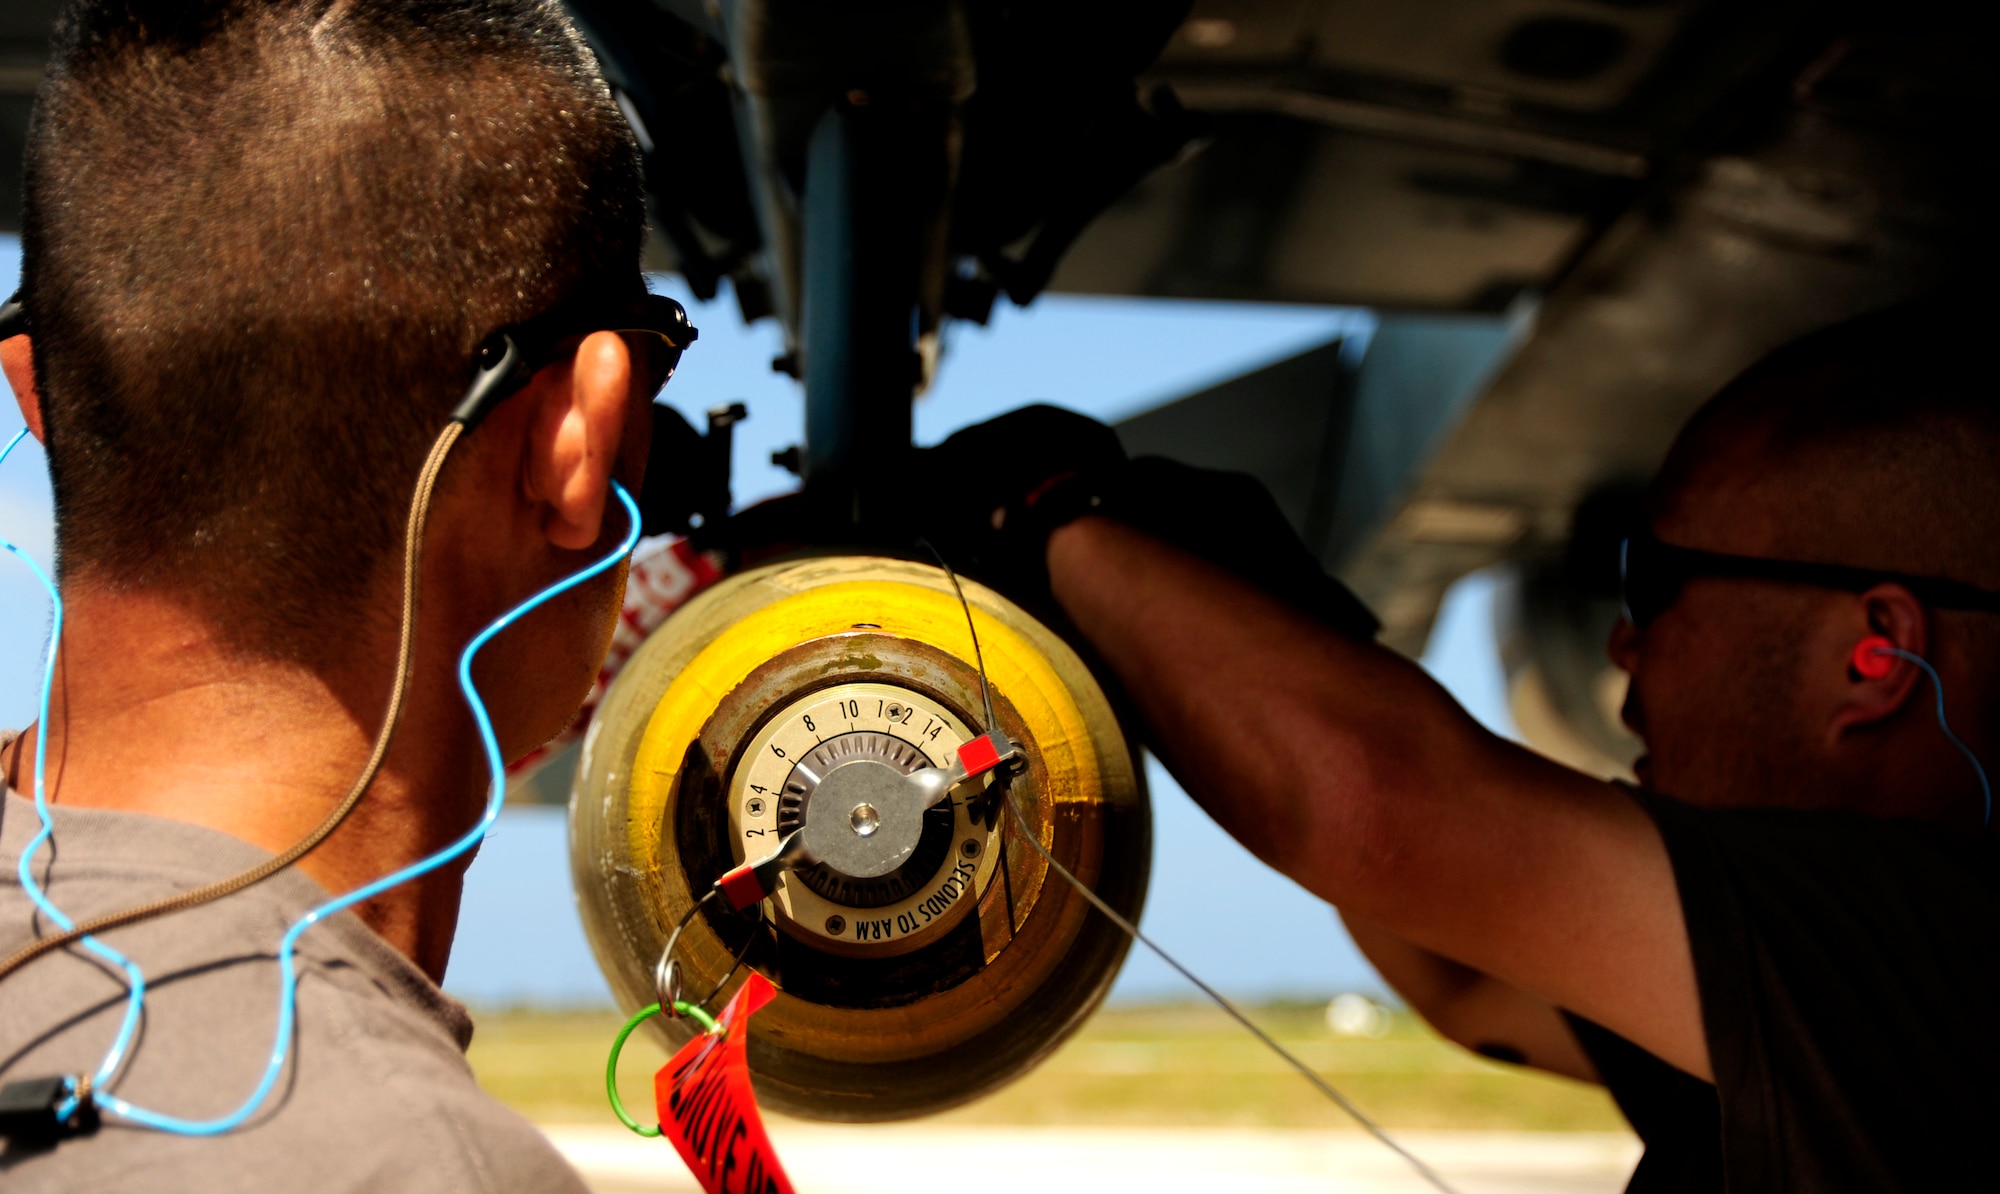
<point>743,887</point>
<point>754,881</point>
<point>984,754</point>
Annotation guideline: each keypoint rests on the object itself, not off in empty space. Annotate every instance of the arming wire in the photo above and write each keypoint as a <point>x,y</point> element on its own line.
<point>1131,930</point>
<point>978,657</point>
<point>667,972</point>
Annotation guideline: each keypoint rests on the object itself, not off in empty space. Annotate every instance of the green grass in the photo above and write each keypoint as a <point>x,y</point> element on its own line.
<point>1174,1065</point>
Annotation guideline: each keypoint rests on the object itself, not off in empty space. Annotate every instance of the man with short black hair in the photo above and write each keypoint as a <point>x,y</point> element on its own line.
<point>261,242</point>
<point>1783,955</point>
<point>265,241</point>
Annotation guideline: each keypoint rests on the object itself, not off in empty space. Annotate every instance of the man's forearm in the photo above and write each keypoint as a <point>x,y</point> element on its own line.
<point>1474,1009</point>
<point>1302,744</point>
<point>1349,769</point>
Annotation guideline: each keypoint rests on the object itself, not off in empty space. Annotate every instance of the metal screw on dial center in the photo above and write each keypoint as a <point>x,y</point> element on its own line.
<point>858,810</point>
<point>864,819</point>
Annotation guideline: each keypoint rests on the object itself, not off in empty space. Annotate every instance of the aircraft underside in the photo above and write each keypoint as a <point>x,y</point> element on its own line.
<point>1623,204</point>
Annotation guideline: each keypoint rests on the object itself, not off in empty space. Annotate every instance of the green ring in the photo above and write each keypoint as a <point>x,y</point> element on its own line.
<point>689,1010</point>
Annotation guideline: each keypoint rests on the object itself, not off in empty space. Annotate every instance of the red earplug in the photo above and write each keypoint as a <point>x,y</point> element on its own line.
<point>1872,658</point>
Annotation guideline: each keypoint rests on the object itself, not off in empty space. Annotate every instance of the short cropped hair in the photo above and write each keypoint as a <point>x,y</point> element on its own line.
<point>262,240</point>
<point>1884,431</point>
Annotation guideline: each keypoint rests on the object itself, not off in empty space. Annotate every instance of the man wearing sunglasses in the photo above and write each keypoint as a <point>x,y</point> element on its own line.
<point>1781,953</point>
<point>270,248</point>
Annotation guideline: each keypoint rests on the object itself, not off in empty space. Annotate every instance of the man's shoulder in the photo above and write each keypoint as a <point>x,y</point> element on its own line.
<point>1781,842</point>
<point>388,1072</point>
<point>375,1092</point>
<point>374,1095</point>
<point>1850,907</point>
<point>446,1137</point>
<point>1845,964</point>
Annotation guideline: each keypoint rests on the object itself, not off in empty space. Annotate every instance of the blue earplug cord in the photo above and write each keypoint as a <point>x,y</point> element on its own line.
<point>288,976</point>
<point>1937,688</point>
<point>135,980</point>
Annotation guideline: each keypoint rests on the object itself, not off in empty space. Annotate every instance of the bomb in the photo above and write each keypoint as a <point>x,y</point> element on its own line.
<point>925,955</point>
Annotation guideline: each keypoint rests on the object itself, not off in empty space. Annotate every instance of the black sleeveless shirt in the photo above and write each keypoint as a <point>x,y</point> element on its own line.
<point>1849,970</point>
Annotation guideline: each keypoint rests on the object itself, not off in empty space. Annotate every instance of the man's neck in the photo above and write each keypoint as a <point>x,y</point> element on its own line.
<point>152,713</point>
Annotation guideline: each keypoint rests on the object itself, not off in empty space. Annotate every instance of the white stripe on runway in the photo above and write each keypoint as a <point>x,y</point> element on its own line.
<point>995,1160</point>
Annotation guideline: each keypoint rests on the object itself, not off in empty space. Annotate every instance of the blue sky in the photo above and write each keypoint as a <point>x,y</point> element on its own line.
<point>1247,929</point>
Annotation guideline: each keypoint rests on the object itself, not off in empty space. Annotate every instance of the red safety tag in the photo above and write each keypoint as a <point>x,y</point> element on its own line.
<point>709,1111</point>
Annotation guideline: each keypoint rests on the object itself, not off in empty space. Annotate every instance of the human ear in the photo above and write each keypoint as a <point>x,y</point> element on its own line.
<point>1891,612</point>
<point>17,358</point>
<point>573,442</point>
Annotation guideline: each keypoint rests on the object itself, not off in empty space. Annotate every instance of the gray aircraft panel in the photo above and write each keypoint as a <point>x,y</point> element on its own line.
<point>1670,188</point>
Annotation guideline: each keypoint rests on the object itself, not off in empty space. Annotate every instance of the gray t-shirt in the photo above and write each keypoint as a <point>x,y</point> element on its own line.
<point>376,1094</point>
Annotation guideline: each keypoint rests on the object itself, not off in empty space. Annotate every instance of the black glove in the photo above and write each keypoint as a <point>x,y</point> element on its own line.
<point>1231,521</point>
<point>988,475</point>
<point>1021,476</point>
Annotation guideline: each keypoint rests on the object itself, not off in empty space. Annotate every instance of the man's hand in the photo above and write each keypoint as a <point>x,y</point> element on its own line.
<point>1018,478</point>
<point>991,477</point>
<point>1231,521</point>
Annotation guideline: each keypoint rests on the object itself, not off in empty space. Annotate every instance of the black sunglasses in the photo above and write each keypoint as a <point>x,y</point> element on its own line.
<point>1651,575</point>
<point>655,328</point>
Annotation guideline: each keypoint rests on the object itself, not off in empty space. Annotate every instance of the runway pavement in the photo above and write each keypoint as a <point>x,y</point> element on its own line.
<point>998,1160</point>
